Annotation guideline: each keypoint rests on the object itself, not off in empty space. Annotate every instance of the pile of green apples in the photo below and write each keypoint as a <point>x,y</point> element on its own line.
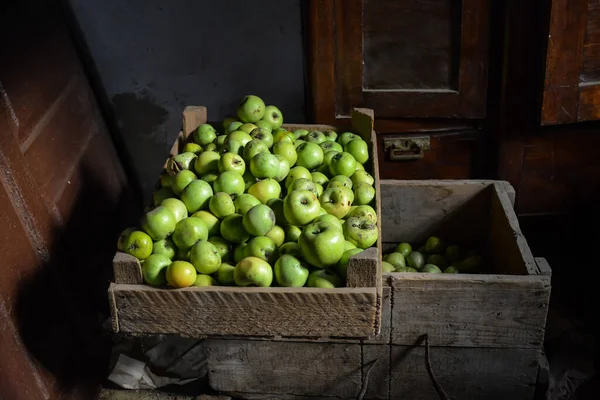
<point>257,205</point>
<point>434,256</point>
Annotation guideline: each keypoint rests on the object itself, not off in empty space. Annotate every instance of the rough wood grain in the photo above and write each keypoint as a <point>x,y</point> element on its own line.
<point>543,268</point>
<point>192,118</point>
<point>196,312</point>
<point>378,382</point>
<point>289,368</point>
<point>383,337</point>
<point>467,310</point>
<point>464,373</point>
<point>127,269</point>
<point>364,269</point>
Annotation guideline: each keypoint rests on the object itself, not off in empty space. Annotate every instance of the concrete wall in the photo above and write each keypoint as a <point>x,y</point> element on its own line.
<point>155,57</point>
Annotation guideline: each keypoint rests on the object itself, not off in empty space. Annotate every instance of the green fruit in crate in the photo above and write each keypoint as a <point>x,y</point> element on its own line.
<point>182,255</point>
<point>221,141</point>
<point>321,278</point>
<point>287,151</point>
<point>205,257</point>
<point>251,109</point>
<point>231,162</point>
<point>359,150</point>
<point>283,136</point>
<point>277,234</point>
<point>234,126</point>
<point>298,143</point>
<point>249,180</point>
<point>361,176</point>
<point>211,147</point>
<point>415,260</point>
<point>403,269</point>
<point>154,269</point>
<point>291,248</point>
<point>303,184</point>
<point>340,180</point>
<point>262,124</point>
<point>196,195</point>
<point>347,137</point>
<point>364,211</point>
<point>300,133</point>
<point>228,120</point>
<point>342,164</point>
<point>247,127</point>
<point>434,245</point>
<point>232,229</point>
<point>205,280</point>
<point>470,264</point>
<point>319,178</point>
<point>177,207</point>
<point>437,259</point>
<point>182,179</point>
<point>310,155</point>
<point>342,266</point>
<point>165,247</point>
<point>180,162</point>
<point>223,247</point>
<point>264,165</point>
<point>161,194</point>
<point>387,267</point>
<point>244,202</point>
<point>331,219</point>
<point>261,247</point>
<point>229,182</point>
<point>453,253</point>
<point>327,156</point>
<point>301,207</point>
<point>232,146</point>
<point>240,137</point>
<point>297,173</point>
<point>252,271</point>
<point>330,135</point>
<point>396,259</point>
<point>259,220</point>
<point>330,145</point>
<point>273,116</point>
<point>138,244</point>
<point>166,180</point>
<point>292,233</point>
<point>264,135</point>
<point>265,189</point>
<point>221,205</point>
<point>158,223</point>
<point>181,274</point>
<point>361,232</point>
<point>322,244</point>
<point>432,269</point>
<point>284,168</point>
<point>239,252</point>
<point>403,248</point>
<point>363,194</point>
<point>205,134</point>
<point>209,178</point>
<point>276,204</point>
<point>188,231</point>
<point>212,222</point>
<point>254,147</point>
<point>347,244</point>
<point>319,189</point>
<point>451,270</point>
<point>192,148</point>
<point>225,275</point>
<point>290,272</point>
<point>315,137</point>
<point>336,201</point>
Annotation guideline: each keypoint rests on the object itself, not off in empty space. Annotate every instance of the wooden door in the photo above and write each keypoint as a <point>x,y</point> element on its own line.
<point>402,58</point>
<point>62,191</point>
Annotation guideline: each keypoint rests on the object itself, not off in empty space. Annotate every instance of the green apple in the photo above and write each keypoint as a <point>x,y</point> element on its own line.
<point>331,135</point>
<point>166,180</point>
<point>205,134</point>
<point>228,120</point>
<point>234,126</point>
<point>387,267</point>
<point>210,178</point>
<point>181,274</point>
<point>249,180</point>
<point>432,269</point>
<point>284,168</point>
<point>292,233</point>
<point>405,249</point>
<point>164,247</point>
<point>451,270</point>
<point>318,177</point>
<point>192,148</point>
<point>289,271</point>
<point>396,259</point>
<point>319,189</point>
<point>435,245</point>
<point>252,271</point>
<point>315,137</point>
<point>327,159</point>
<point>364,211</point>
<point>262,247</point>
<point>158,223</point>
<point>221,205</point>
<point>273,116</point>
<point>322,278</point>
<point>310,155</point>
<point>231,162</point>
<point>359,167</point>
<point>286,150</point>
<point>230,182</point>
<point>348,245</point>
<point>183,254</point>
<point>340,180</point>
<point>362,232</point>
<point>205,257</point>
<point>196,195</point>
<point>207,162</point>
<point>154,269</point>
<point>232,146</point>
<point>188,231</point>
<point>363,194</point>
<point>342,164</point>
<point>211,221</point>
<point>262,124</point>
<point>138,244</point>
<point>225,275</point>
<point>301,207</point>
<point>361,176</point>
<point>182,179</point>
<point>177,207</point>
<point>254,147</point>
<point>346,137</point>
<point>251,109</point>
<point>342,266</point>
<point>300,133</point>
<point>415,260</point>
<point>161,194</point>
<point>221,141</point>
<point>244,202</point>
<point>298,143</point>
<point>437,259</point>
<point>296,173</point>
<point>276,205</point>
<point>223,247</point>
<point>291,248</point>
<point>239,252</point>
<point>322,244</point>
<point>259,220</point>
<point>265,189</point>
<point>277,234</point>
<point>239,136</point>
<point>180,162</point>
<point>232,229</point>
<point>264,165</point>
<point>264,135</point>
<point>283,136</point>
<point>204,280</point>
<point>247,127</point>
<point>336,201</point>
<point>359,150</point>
<point>304,184</point>
<point>331,219</point>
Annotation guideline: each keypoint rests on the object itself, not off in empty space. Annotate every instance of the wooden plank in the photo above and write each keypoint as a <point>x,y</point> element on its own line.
<point>467,310</point>
<point>464,373</point>
<point>193,117</point>
<point>589,103</point>
<point>385,332</point>
<point>127,269</point>
<point>364,269</point>
<point>315,369</point>
<point>377,384</point>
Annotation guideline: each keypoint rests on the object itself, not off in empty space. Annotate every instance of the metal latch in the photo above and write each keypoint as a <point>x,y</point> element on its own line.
<point>406,148</point>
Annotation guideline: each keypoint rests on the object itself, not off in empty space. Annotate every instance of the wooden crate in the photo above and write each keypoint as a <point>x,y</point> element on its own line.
<point>353,311</point>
